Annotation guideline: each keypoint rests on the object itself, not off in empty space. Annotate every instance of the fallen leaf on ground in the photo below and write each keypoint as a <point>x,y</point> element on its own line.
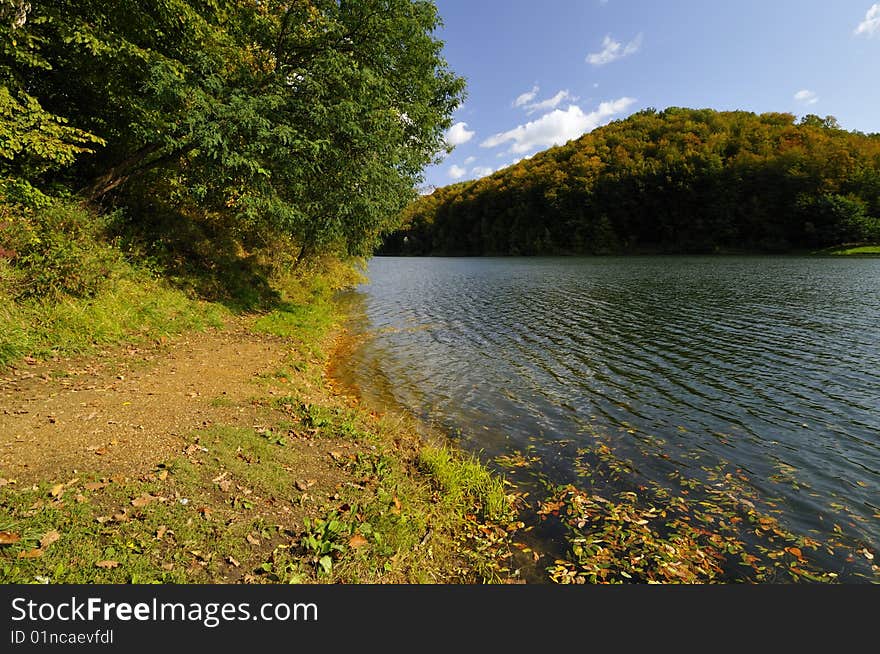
<point>143,500</point>
<point>56,490</point>
<point>232,561</point>
<point>253,541</point>
<point>95,485</point>
<point>160,532</point>
<point>107,565</point>
<point>163,475</point>
<point>8,538</point>
<point>336,456</point>
<point>48,538</point>
<point>30,554</point>
<point>357,541</point>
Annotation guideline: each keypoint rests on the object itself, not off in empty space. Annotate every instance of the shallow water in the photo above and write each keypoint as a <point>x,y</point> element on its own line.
<point>681,363</point>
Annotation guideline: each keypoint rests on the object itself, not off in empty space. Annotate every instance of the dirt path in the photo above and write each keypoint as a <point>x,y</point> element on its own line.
<point>128,409</point>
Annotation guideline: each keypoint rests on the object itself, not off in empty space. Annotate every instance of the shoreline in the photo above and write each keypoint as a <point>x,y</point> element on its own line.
<point>279,479</point>
<point>691,529</point>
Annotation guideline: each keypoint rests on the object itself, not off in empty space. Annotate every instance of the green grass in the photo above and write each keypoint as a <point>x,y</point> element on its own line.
<point>466,483</point>
<point>862,250</point>
<point>382,518</point>
<point>133,308</point>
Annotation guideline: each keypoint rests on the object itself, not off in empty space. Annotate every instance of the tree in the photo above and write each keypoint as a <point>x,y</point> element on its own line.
<point>313,118</point>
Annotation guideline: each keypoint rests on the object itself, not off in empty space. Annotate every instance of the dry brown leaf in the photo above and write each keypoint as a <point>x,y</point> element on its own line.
<point>107,565</point>
<point>335,455</point>
<point>8,538</point>
<point>143,500</point>
<point>95,485</point>
<point>80,498</point>
<point>56,490</point>
<point>101,451</point>
<point>30,554</point>
<point>225,485</point>
<point>301,485</point>
<point>163,475</point>
<point>232,561</point>
<point>252,540</point>
<point>168,566</point>
<point>160,532</point>
<point>48,538</point>
<point>357,541</point>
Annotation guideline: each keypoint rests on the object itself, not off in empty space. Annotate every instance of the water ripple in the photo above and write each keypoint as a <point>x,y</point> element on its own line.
<point>765,362</point>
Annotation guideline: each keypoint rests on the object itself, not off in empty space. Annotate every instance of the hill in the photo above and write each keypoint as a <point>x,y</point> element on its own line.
<point>677,181</point>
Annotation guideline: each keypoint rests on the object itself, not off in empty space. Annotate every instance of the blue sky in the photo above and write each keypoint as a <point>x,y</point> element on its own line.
<point>541,72</point>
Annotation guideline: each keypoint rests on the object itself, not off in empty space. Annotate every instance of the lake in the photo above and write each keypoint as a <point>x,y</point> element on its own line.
<point>768,367</point>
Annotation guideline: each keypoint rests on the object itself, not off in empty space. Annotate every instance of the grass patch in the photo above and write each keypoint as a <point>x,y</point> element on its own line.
<point>862,250</point>
<point>353,500</point>
<point>133,309</point>
<point>465,483</point>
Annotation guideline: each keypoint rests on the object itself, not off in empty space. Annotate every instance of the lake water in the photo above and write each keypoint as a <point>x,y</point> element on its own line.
<point>680,364</point>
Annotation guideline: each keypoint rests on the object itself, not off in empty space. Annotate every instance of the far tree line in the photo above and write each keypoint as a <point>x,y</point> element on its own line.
<point>676,181</point>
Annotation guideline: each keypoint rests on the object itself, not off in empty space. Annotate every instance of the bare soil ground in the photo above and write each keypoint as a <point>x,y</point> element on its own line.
<point>126,410</point>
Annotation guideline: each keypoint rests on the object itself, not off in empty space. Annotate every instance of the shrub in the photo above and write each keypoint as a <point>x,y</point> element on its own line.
<point>54,250</point>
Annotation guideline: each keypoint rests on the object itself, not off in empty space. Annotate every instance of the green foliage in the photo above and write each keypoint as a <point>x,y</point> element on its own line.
<point>309,121</point>
<point>466,483</point>
<point>54,251</point>
<point>680,180</point>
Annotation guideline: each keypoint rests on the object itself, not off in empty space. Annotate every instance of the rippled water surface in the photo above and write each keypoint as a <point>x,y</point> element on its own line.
<point>772,364</point>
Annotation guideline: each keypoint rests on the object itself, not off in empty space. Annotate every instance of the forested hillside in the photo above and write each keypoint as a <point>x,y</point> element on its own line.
<point>205,137</point>
<point>679,180</point>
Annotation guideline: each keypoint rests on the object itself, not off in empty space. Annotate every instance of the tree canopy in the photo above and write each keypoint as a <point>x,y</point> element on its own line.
<point>312,119</point>
<point>679,180</point>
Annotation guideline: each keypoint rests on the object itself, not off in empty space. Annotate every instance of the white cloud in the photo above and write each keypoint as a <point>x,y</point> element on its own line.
<point>613,50</point>
<point>871,24</point>
<point>549,103</point>
<point>469,160</point>
<point>556,127</point>
<point>457,172</point>
<point>482,171</point>
<point>458,134</point>
<point>525,98</point>
<point>806,96</point>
